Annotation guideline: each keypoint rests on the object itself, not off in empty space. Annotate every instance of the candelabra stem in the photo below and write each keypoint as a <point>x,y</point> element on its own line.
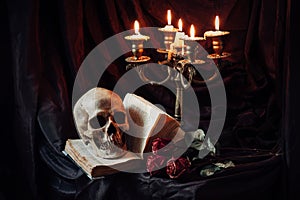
<point>219,63</point>
<point>178,104</point>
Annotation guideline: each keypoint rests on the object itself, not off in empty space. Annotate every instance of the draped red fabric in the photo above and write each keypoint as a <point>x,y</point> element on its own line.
<point>44,46</point>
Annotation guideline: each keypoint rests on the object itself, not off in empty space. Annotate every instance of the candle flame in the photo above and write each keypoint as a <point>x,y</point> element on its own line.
<point>180,24</point>
<point>217,23</point>
<point>136,27</point>
<point>192,31</point>
<point>169,17</point>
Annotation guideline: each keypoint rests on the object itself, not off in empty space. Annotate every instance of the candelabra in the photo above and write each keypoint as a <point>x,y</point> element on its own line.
<point>182,60</point>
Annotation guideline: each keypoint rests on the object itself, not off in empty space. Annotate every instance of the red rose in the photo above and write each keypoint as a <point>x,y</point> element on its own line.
<point>177,167</point>
<point>159,143</point>
<point>155,162</point>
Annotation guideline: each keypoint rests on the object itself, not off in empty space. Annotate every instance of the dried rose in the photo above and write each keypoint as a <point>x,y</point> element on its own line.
<point>159,143</point>
<point>177,167</point>
<point>155,162</point>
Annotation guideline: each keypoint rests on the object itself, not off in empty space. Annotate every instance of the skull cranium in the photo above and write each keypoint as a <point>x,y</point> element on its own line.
<point>100,119</point>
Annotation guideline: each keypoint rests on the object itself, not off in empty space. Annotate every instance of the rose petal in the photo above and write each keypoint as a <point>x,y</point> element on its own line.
<point>155,162</point>
<point>177,167</point>
<point>159,143</point>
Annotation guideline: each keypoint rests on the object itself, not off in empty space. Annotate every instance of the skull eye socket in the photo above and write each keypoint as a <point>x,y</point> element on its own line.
<point>119,117</point>
<point>97,122</point>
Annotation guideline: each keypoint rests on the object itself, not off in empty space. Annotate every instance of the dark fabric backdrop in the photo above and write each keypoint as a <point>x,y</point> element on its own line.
<point>44,44</point>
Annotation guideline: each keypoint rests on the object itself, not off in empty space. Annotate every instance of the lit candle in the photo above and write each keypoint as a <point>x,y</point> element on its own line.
<point>169,26</point>
<point>137,35</point>
<point>169,32</point>
<point>136,27</point>
<point>193,36</point>
<point>191,44</point>
<point>137,47</point>
<point>217,31</point>
<point>192,31</point>
<point>180,25</point>
<point>169,17</point>
<point>217,23</point>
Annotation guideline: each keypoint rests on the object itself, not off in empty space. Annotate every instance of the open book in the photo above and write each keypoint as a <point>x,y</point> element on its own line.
<point>146,122</point>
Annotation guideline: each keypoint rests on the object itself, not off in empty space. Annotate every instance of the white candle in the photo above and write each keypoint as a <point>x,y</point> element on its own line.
<point>178,42</point>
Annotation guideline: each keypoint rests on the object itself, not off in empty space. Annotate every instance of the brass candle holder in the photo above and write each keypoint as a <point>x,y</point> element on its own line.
<point>169,35</point>
<point>217,38</point>
<point>137,48</point>
<point>191,45</point>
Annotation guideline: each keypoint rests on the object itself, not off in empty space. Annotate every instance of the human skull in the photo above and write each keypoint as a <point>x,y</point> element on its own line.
<point>100,118</point>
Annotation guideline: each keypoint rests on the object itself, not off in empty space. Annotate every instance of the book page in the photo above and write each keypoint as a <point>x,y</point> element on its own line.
<point>142,116</point>
<point>80,153</point>
<point>146,121</point>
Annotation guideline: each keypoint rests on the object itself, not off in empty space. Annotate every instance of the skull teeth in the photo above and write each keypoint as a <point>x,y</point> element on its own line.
<point>108,146</point>
<point>105,146</point>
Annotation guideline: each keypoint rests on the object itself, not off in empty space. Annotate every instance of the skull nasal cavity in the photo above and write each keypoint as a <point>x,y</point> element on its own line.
<point>111,129</point>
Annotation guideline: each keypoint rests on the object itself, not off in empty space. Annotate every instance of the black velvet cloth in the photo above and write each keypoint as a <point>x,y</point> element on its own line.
<point>44,44</point>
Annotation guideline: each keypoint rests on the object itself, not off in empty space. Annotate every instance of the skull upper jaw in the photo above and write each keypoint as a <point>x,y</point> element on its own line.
<point>109,152</point>
<point>108,146</point>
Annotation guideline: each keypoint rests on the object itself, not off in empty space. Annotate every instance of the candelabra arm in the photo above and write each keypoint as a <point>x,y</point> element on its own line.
<point>185,85</point>
<point>143,77</point>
